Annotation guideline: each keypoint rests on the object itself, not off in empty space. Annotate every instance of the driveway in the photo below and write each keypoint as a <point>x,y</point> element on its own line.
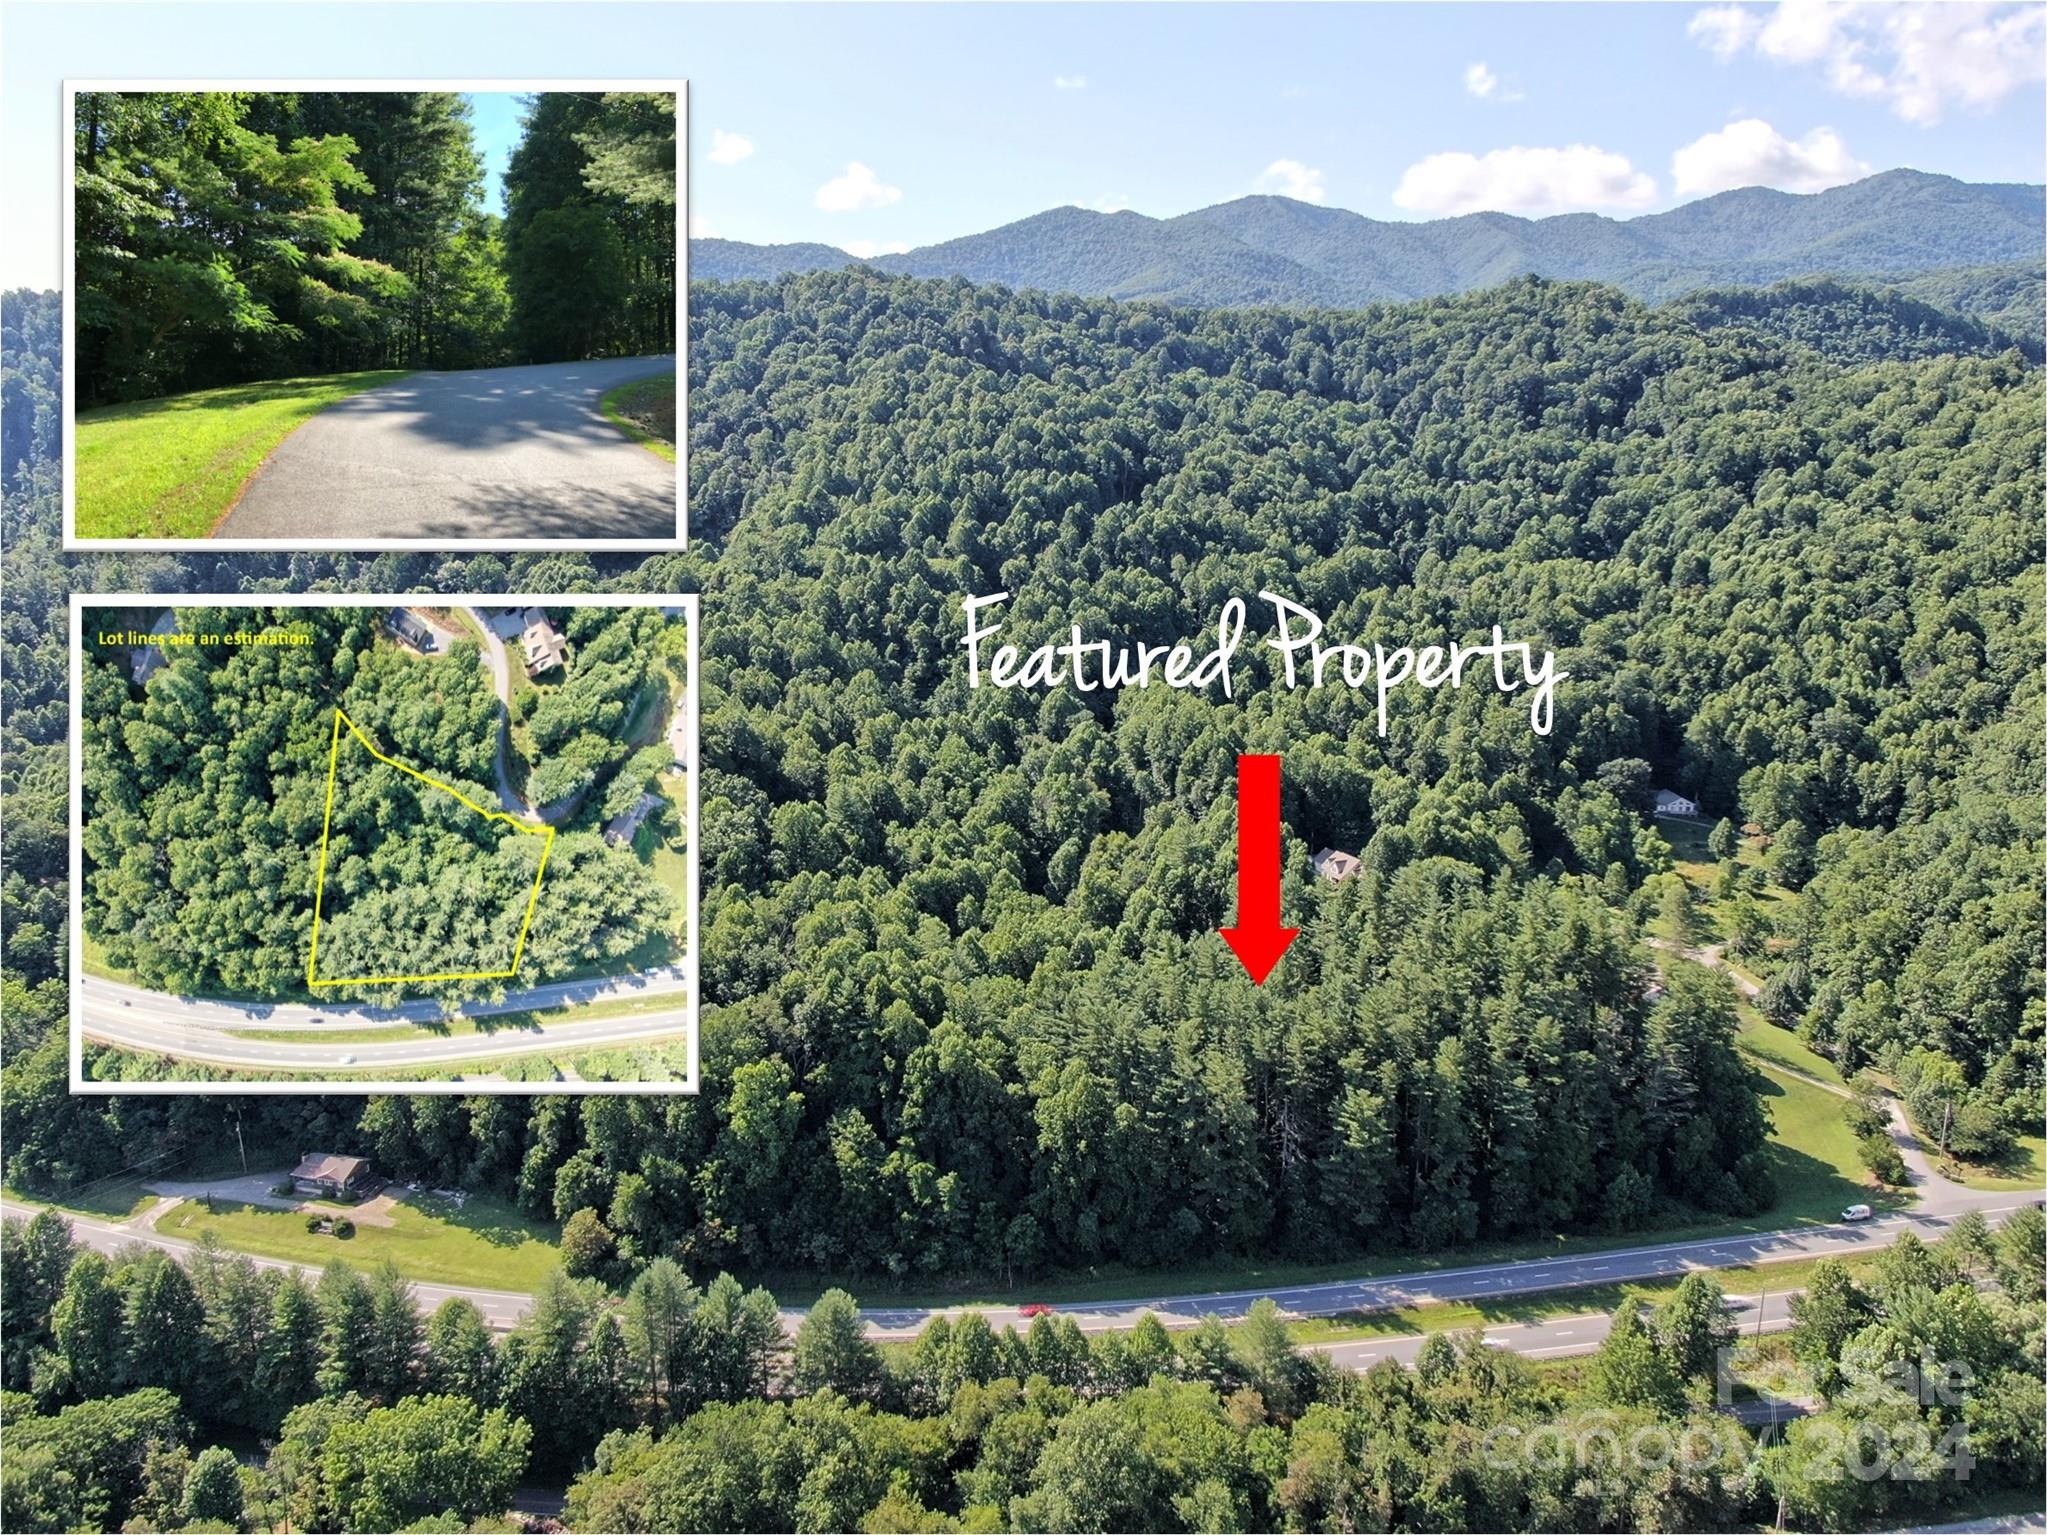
<point>493,453</point>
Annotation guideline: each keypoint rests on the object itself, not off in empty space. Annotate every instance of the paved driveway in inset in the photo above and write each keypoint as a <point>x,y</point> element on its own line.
<point>493,453</point>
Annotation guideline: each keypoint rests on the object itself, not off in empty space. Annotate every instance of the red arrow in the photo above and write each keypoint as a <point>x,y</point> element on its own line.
<point>1258,938</point>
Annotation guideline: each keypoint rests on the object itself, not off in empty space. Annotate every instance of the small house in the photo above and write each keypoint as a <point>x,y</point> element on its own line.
<point>1670,802</point>
<point>322,1175</point>
<point>1335,865</point>
<point>620,829</point>
<point>410,629</point>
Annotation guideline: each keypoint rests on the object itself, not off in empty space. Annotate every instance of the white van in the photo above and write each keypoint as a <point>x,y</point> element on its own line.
<point>1856,1213</point>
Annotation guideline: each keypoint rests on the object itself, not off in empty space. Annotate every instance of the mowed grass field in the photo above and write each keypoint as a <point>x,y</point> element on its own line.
<point>645,411</point>
<point>484,1242</point>
<point>1813,1153</point>
<point>2025,1168</point>
<point>172,468</point>
<point>1771,1045</point>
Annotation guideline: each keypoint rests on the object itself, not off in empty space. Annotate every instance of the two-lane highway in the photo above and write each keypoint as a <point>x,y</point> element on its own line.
<point>216,1032</point>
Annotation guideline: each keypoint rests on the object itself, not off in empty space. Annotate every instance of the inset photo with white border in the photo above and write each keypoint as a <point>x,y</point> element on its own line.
<point>399,843</point>
<point>375,314</point>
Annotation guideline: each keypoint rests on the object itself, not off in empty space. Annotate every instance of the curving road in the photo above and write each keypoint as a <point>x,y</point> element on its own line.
<point>500,1308</point>
<point>492,453</point>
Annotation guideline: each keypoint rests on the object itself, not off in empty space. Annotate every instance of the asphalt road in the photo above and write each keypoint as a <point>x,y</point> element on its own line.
<point>1487,1281</point>
<point>204,1029</point>
<point>1562,1335</point>
<point>493,453</point>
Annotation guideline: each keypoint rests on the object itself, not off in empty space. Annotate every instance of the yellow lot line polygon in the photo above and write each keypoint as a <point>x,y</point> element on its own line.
<point>320,888</point>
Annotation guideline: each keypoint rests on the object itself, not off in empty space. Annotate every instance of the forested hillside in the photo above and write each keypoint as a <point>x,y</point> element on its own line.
<point>1854,325</point>
<point>966,1008</point>
<point>1276,250</point>
<point>226,236</point>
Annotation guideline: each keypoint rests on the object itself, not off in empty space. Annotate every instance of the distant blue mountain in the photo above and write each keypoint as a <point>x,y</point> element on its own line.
<point>1273,250</point>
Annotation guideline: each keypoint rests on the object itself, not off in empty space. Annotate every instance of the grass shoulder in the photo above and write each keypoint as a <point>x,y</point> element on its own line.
<point>173,467</point>
<point>2023,1167</point>
<point>1548,1305</point>
<point>118,1201</point>
<point>645,411</point>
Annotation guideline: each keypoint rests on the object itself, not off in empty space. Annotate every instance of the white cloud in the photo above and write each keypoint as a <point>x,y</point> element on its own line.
<point>1922,58</point>
<point>1290,178</point>
<point>1524,180</point>
<point>1114,202</point>
<point>729,148</point>
<point>700,228</point>
<point>1481,81</point>
<point>1725,30</point>
<point>867,250</point>
<point>1069,82</point>
<point>858,190</point>
<point>1751,153</point>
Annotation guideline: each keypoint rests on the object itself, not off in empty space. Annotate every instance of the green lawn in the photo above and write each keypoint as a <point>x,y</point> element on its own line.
<point>1773,1046</point>
<point>114,1201</point>
<point>1813,1154</point>
<point>2025,1168</point>
<point>485,1243</point>
<point>172,468</point>
<point>668,856</point>
<point>645,411</point>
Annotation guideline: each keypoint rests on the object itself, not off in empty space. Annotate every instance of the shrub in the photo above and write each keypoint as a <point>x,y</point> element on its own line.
<point>344,1228</point>
<point>1880,1155</point>
<point>284,1188</point>
<point>315,1222</point>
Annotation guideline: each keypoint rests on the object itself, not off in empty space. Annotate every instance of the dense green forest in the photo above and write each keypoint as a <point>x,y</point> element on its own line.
<point>1900,226</point>
<point>966,1011</point>
<point>227,236</point>
<point>1856,325</point>
<point>206,799</point>
<point>686,1407</point>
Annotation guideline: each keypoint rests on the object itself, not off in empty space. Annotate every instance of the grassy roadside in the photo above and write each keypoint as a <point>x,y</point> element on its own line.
<point>660,1060</point>
<point>2024,1168</point>
<point>1548,1305</point>
<point>645,411</point>
<point>172,468</point>
<point>114,1201</point>
<point>453,1028</point>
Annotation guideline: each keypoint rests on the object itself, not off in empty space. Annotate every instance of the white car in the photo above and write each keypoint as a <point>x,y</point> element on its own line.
<point>1857,1213</point>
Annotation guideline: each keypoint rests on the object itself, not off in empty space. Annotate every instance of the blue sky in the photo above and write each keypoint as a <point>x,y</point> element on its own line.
<point>876,127</point>
<point>494,118</point>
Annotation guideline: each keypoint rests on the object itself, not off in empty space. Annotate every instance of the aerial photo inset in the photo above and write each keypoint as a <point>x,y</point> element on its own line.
<point>439,844</point>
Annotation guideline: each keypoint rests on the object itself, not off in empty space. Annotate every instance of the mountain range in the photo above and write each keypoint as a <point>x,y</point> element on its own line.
<point>1275,250</point>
